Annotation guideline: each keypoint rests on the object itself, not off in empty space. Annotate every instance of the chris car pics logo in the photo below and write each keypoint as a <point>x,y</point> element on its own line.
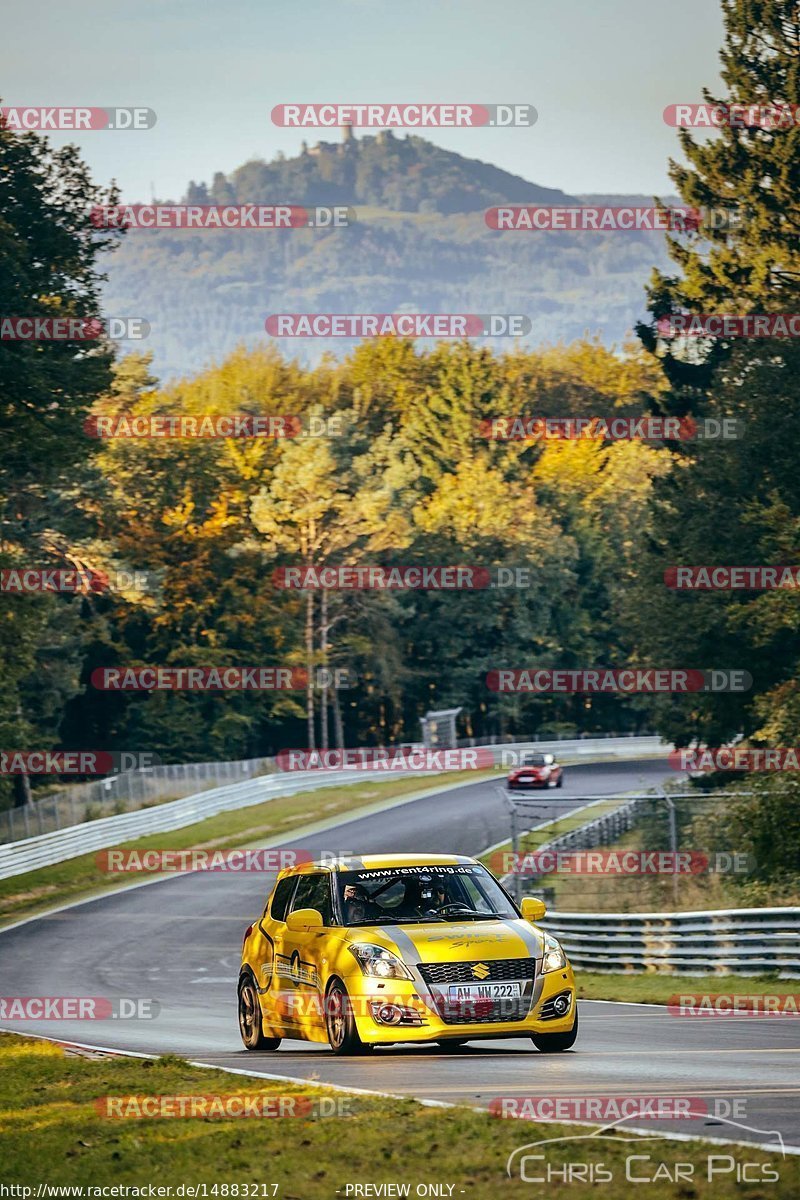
<point>595,1158</point>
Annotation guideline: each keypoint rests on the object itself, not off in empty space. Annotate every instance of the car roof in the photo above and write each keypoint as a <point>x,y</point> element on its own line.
<point>373,862</point>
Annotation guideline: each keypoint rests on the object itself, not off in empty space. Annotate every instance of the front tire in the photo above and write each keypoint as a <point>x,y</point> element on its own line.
<point>554,1043</point>
<point>560,780</point>
<point>340,1024</point>
<point>250,1026</point>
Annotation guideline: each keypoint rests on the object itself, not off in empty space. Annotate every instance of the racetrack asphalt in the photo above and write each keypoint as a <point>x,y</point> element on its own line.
<point>178,941</point>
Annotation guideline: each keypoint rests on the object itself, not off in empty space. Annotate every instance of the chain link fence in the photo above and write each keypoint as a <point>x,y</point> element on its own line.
<point>658,850</point>
<point>130,790</point>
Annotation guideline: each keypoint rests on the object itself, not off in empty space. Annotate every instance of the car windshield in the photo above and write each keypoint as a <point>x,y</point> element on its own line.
<point>536,760</point>
<point>415,894</point>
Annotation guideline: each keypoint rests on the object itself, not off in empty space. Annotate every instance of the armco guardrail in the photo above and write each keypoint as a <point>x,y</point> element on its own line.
<point>49,848</point>
<point>131,790</point>
<point>46,849</point>
<point>539,740</point>
<point>745,941</point>
<point>620,747</point>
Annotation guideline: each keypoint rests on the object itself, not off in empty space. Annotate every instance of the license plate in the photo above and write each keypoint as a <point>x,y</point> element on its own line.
<point>485,991</point>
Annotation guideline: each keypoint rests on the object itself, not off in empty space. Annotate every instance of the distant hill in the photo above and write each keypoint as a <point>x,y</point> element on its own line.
<point>384,171</point>
<point>419,242</point>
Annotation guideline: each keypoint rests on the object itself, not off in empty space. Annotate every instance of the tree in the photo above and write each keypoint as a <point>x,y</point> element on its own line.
<point>49,255</point>
<point>733,502</point>
<point>752,173</point>
<point>317,511</point>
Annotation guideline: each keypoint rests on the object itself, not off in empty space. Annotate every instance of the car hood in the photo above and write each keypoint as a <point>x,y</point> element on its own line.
<point>459,941</point>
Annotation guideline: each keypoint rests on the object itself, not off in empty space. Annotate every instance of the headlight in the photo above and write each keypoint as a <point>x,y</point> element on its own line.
<point>379,962</point>
<point>554,957</point>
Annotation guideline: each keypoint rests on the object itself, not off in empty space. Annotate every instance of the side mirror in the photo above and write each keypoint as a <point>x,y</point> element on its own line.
<point>533,909</point>
<point>303,919</point>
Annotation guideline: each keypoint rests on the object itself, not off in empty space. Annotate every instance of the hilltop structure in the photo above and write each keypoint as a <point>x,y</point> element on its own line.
<point>348,144</point>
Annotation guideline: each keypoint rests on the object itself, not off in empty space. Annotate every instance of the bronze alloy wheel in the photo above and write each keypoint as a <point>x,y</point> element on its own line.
<point>250,1018</point>
<point>340,1022</point>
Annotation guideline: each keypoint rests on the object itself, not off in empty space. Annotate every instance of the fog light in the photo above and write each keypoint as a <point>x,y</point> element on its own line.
<point>561,1005</point>
<point>395,1014</point>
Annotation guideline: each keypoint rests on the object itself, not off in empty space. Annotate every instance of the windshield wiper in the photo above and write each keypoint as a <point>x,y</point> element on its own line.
<point>473,912</point>
<point>397,921</point>
<point>470,914</point>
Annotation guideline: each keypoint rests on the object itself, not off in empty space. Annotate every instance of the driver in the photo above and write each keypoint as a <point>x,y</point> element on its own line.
<point>432,894</point>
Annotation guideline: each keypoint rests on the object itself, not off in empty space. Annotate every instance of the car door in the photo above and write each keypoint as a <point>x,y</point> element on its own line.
<point>299,956</point>
<point>263,938</point>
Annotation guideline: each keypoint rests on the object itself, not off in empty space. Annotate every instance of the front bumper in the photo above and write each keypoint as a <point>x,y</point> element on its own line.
<point>424,1015</point>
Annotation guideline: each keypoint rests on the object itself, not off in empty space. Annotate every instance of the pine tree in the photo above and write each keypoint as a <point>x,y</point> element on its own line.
<point>734,502</point>
<point>746,257</point>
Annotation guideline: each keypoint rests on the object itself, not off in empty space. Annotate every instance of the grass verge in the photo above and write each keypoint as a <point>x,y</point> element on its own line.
<point>51,1132</point>
<point>78,878</point>
<point>657,989</point>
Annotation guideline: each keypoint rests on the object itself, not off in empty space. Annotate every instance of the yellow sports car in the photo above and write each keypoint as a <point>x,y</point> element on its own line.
<point>401,948</point>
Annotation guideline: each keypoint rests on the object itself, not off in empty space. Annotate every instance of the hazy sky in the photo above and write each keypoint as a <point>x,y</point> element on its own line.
<point>600,73</point>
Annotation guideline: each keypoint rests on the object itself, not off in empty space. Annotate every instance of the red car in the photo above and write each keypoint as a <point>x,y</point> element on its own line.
<point>539,771</point>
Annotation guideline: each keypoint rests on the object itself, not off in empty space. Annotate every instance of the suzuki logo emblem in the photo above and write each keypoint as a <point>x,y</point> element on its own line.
<point>480,970</point>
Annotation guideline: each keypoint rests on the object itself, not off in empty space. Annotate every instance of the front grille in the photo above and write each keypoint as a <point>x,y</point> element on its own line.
<point>500,969</point>
<point>480,1011</point>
